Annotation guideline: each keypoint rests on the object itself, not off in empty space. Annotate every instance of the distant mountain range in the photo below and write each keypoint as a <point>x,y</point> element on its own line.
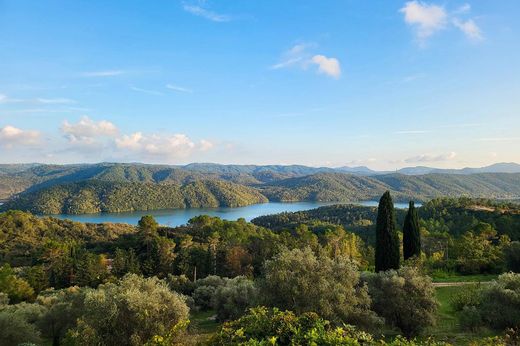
<point>85,188</point>
<point>504,167</point>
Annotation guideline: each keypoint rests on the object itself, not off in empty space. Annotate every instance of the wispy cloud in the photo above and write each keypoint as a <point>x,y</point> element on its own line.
<point>411,132</point>
<point>178,88</point>
<point>105,73</point>
<point>55,101</point>
<point>300,56</point>
<point>431,158</point>
<point>469,28</point>
<point>499,139</point>
<point>146,91</point>
<point>200,10</point>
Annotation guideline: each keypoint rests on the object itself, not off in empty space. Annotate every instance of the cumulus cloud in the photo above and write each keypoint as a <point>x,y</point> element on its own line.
<point>86,130</point>
<point>163,146</point>
<point>201,11</point>
<point>469,28</point>
<point>431,158</point>
<point>425,18</point>
<point>11,136</point>
<point>328,66</point>
<point>300,56</point>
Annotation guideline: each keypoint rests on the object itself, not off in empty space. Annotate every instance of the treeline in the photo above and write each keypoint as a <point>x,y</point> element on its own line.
<point>103,196</point>
<point>126,187</point>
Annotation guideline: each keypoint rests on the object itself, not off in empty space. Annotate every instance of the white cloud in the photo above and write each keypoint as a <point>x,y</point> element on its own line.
<point>300,57</point>
<point>106,73</point>
<point>206,145</point>
<point>199,10</point>
<point>426,18</point>
<point>469,28</point>
<point>87,130</point>
<point>10,136</point>
<point>328,66</point>
<point>178,88</point>
<point>163,146</point>
<point>431,158</point>
<point>146,91</point>
<point>55,101</point>
<point>463,9</point>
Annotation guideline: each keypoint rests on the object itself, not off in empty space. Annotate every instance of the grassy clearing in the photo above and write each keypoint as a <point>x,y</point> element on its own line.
<point>202,326</point>
<point>464,278</point>
<point>448,328</point>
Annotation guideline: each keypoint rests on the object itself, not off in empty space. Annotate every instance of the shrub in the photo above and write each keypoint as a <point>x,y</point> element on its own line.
<point>129,312</point>
<point>205,290</point>
<point>232,300</point>
<point>404,298</point>
<point>500,306</point>
<point>263,326</point>
<point>300,281</point>
<point>471,295</point>
<point>15,329</point>
<point>512,253</point>
<point>470,318</point>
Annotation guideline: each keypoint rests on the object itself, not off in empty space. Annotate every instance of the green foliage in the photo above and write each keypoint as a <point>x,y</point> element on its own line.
<point>262,326</point>
<point>300,281</point>
<point>512,254</point>
<point>14,330</point>
<point>129,312</point>
<point>15,288</point>
<point>500,307</point>
<point>411,234</point>
<point>470,296</point>
<point>387,241</point>
<point>405,298</point>
<point>95,196</point>
<point>233,298</point>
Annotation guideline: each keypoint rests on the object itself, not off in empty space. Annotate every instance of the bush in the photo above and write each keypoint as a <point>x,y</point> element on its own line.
<point>500,306</point>
<point>471,295</point>
<point>15,329</point>
<point>263,326</point>
<point>130,312</point>
<point>512,253</point>
<point>470,318</point>
<point>205,290</point>
<point>233,299</point>
<point>404,298</point>
<point>300,281</point>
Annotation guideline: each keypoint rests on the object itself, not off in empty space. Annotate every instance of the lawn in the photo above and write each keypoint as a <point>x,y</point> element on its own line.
<point>464,278</point>
<point>448,328</point>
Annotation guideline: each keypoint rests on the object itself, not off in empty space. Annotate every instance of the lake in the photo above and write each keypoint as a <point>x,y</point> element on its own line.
<point>177,217</point>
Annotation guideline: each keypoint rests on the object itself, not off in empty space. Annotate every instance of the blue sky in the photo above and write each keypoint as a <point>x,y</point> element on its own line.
<point>381,83</point>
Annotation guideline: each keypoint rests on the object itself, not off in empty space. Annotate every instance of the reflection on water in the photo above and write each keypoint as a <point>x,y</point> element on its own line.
<point>177,217</point>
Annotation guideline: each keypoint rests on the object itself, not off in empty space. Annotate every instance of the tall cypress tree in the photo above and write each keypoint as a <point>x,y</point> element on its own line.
<point>411,233</point>
<point>387,241</point>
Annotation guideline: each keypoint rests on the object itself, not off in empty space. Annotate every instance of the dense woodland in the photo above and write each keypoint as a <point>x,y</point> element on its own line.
<point>75,189</point>
<point>313,277</point>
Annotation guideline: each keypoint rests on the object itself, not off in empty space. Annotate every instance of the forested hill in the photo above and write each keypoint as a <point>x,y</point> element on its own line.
<point>109,187</point>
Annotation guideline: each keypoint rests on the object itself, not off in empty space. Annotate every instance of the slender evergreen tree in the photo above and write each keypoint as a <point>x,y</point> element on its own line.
<point>387,241</point>
<point>411,233</point>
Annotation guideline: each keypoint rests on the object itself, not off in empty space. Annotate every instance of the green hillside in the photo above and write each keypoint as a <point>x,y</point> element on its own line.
<point>102,196</point>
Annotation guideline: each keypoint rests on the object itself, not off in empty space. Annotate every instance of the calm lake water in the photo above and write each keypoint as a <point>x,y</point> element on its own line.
<point>177,217</point>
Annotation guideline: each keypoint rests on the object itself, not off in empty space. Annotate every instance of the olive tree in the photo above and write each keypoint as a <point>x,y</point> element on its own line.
<point>300,281</point>
<point>405,298</point>
<point>129,312</point>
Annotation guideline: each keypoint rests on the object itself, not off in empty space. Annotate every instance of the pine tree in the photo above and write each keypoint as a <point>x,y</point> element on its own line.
<point>411,233</point>
<point>387,241</point>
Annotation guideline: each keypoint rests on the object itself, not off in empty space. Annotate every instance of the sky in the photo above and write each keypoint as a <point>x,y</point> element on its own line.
<point>379,83</point>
